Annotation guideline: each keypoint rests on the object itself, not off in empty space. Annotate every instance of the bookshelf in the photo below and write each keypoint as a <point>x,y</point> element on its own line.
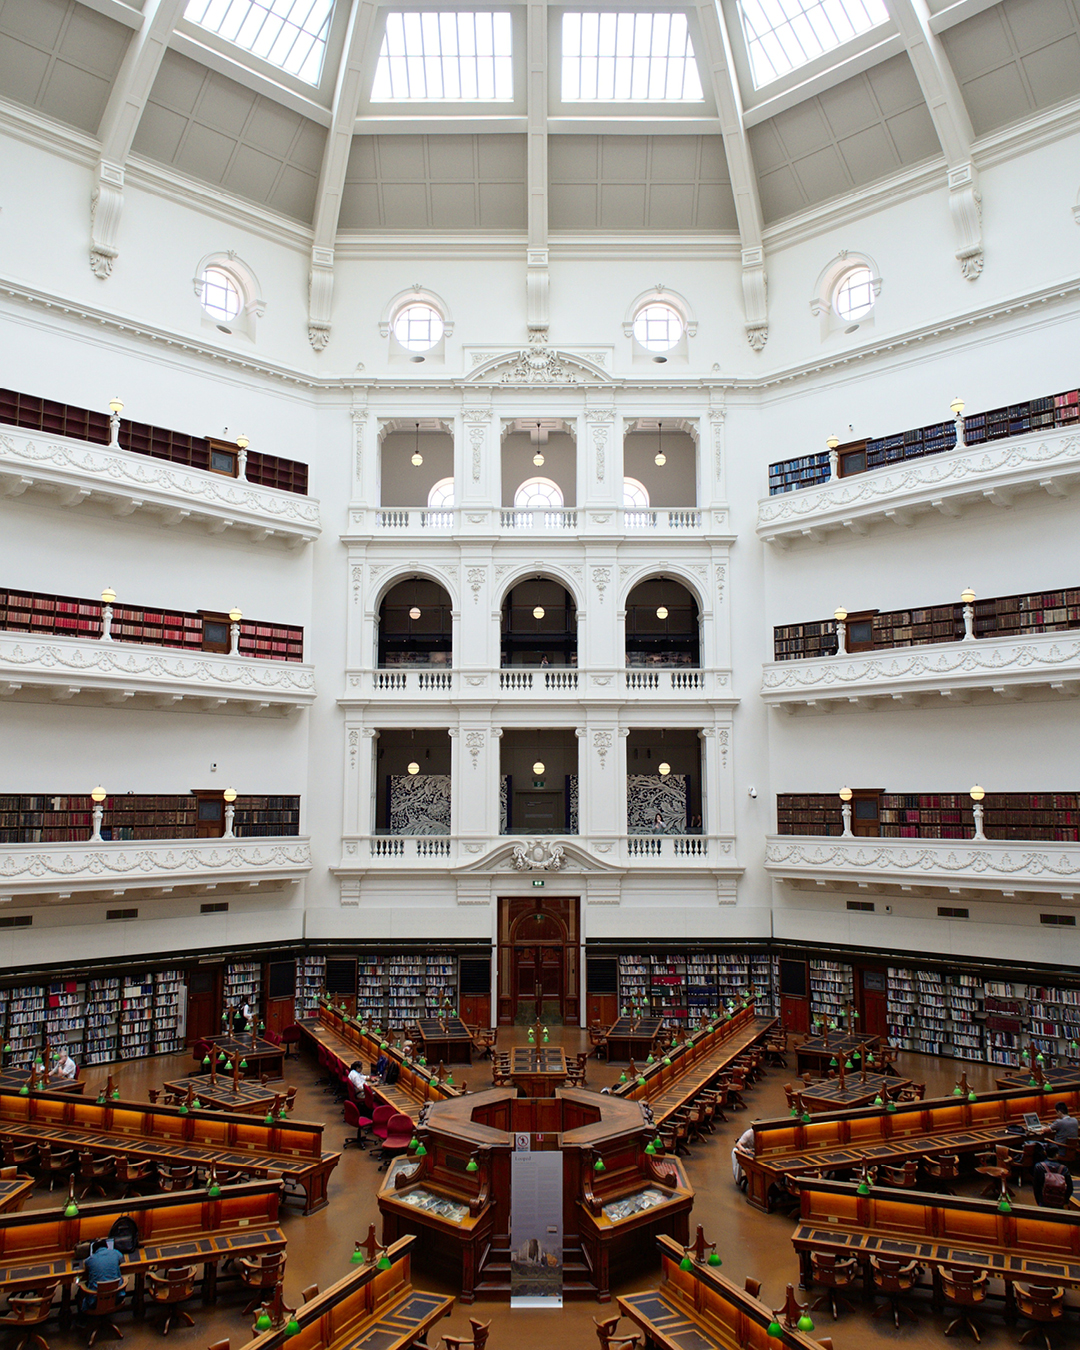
<point>442,984</point>
<point>263,817</point>
<point>27,410</point>
<point>831,987</point>
<point>60,818</point>
<point>102,1019</point>
<point>901,1006</point>
<point>370,990</point>
<point>65,1017</point>
<point>25,1018</point>
<point>1015,419</point>
<point>964,1001</point>
<point>136,1015</point>
<point>1054,1024</point>
<point>169,1011</point>
<point>407,980</point>
<point>242,984</point>
<point>800,641</point>
<point>310,982</point>
<point>682,987</point>
<point>1049,816</point>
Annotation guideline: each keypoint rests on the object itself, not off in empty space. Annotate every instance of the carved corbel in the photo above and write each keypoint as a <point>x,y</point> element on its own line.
<point>755,297</point>
<point>965,207</point>
<point>320,296</point>
<point>106,206</point>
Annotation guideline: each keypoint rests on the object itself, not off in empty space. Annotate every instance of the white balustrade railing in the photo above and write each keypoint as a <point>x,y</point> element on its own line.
<point>531,682</point>
<point>538,518</point>
<point>515,679</point>
<point>420,850</point>
<point>548,519</point>
<point>686,681</point>
<point>639,520</point>
<point>434,680</point>
<point>390,679</point>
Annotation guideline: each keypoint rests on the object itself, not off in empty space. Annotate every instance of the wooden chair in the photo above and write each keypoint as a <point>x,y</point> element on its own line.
<point>1043,1304</point>
<point>290,1098</point>
<point>18,1155</point>
<point>599,1042</point>
<point>997,1168</point>
<point>136,1178</point>
<point>894,1278</point>
<point>606,1334</point>
<point>904,1178</point>
<point>176,1178</point>
<point>107,1300</point>
<point>939,1172</point>
<point>575,1077</point>
<point>169,1290</point>
<point>27,1311</point>
<point>262,1273</point>
<point>95,1172</point>
<point>752,1286</point>
<point>1025,1160</point>
<point>306,1295</point>
<point>55,1163</point>
<point>480,1332</point>
<point>964,1288</point>
<point>835,1273</point>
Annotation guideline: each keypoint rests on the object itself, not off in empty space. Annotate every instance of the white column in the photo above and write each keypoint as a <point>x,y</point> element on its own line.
<point>712,466</point>
<point>600,473</point>
<point>365,465</point>
<point>481,482</point>
<point>717,780</point>
<point>361,744</point>
<point>601,779</point>
<point>474,760</point>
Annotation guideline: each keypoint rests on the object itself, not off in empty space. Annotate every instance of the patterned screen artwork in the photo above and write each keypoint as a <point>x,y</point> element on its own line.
<point>420,803</point>
<point>504,804</point>
<point>572,803</point>
<point>647,794</point>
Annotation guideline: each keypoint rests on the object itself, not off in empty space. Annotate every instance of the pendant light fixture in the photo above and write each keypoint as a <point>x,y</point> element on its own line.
<point>417,457</point>
<point>661,611</point>
<point>661,458</point>
<point>538,458</point>
<point>538,611</point>
<point>414,613</point>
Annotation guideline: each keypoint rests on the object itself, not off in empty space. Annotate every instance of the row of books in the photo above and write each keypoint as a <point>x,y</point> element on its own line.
<point>59,818</point>
<point>683,985</point>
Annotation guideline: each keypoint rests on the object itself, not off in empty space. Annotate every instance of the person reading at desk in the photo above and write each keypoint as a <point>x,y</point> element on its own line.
<point>357,1076</point>
<point>103,1263</point>
<point>1063,1131</point>
<point>65,1066</point>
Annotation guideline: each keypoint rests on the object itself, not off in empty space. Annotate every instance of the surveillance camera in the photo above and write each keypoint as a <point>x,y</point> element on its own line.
<point>888,909</point>
<point>751,792</point>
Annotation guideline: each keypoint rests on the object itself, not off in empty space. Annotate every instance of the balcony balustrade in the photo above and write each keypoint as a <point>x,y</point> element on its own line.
<point>609,851</point>
<point>512,522</point>
<point>544,684</point>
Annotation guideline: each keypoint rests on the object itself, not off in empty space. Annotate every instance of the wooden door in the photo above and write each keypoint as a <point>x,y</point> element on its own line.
<point>537,974</point>
<point>794,995</point>
<point>538,982</point>
<point>203,1016</point>
<point>871,994</point>
<point>209,814</point>
<point>866,812</point>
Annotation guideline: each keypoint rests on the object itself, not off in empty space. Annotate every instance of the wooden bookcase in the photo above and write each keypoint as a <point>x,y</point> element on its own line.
<point>1050,816</point>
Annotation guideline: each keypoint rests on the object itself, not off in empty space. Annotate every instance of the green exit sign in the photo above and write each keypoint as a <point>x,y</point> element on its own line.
<point>538,883</point>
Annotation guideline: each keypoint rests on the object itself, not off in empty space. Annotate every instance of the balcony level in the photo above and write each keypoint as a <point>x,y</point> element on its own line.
<point>65,471</point>
<point>947,483</point>
<point>452,524</point>
<point>548,685</point>
<point>972,650</point>
<point>70,647</point>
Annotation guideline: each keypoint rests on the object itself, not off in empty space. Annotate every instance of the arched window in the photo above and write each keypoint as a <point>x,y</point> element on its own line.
<point>853,296</point>
<point>658,327</point>
<point>228,293</point>
<point>635,494</point>
<point>538,492</point>
<point>441,496</point>
<point>419,327</point>
<point>220,294</point>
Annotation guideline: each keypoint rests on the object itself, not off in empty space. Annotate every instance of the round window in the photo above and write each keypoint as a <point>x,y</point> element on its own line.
<point>220,294</point>
<point>418,328</point>
<point>658,328</point>
<point>854,296</point>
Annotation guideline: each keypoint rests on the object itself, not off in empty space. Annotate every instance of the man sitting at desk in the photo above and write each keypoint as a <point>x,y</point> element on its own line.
<point>103,1263</point>
<point>1064,1131</point>
<point>65,1066</point>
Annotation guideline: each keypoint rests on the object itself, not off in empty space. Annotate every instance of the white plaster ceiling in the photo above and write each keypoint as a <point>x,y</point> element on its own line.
<point>219,117</point>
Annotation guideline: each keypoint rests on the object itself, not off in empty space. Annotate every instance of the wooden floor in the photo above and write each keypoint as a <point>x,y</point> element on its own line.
<point>750,1243</point>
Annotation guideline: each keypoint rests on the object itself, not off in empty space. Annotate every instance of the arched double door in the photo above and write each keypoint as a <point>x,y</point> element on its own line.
<point>538,961</point>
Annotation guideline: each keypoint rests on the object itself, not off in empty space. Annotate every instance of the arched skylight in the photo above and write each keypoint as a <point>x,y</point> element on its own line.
<point>628,58</point>
<point>635,494</point>
<point>782,35</point>
<point>289,34</point>
<point>450,57</point>
<point>441,496</point>
<point>538,492</point>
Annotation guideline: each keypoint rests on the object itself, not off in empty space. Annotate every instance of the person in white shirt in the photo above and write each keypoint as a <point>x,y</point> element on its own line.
<point>745,1142</point>
<point>65,1066</point>
<point>357,1077</point>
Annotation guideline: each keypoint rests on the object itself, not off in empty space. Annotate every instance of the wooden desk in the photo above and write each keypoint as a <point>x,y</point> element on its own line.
<point>289,1148</point>
<point>669,1087</point>
<point>445,1040</point>
<point>839,1141</point>
<point>830,1094</point>
<point>181,1227</point>
<point>1058,1078</point>
<point>815,1054</point>
<point>538,1072</point>
<point>369,1309</point>
<point>700,1309</point>
<point>343,1038</point>
<point>251,1097</point>
<point>260,1057</point>
<point>632,1038</point>
<point>11,1080</point>
<point>936,1230</point>
<point>13,1194</point>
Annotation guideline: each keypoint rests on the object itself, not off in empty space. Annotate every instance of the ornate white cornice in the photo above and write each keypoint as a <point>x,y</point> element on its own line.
<point>1007,866</point>
<point>78,470</point>
<point>1002,666</point>
<point>945,482</point>
<point>66,666</point>
<point>28,869</point>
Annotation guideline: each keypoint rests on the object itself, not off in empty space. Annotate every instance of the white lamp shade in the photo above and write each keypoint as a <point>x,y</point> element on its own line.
<point>229,794</point>
<point>664,769</point>
<point>845,794</point>
<point>977,793</point>
<point>108,595</point>
<point>538,767</point>
<point>242,442</point>
<point>968,596</point>
<point>417,459</point>
<point>414,613</point>
<point>235,615</point>
<point>98,794</point>
<point>661,611</point>
<point>116,406</point>
<point>538,612</point>
<point>840,614</point>
<point>414,767</point>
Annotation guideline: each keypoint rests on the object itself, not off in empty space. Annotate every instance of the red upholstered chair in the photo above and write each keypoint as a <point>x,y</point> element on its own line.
<point>399,1132</point>
<point>380,1118</point>
<point>357,1121</point>
<point>290,1036</point>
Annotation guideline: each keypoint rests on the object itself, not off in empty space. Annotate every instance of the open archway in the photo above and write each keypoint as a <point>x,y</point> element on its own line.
<point>662,625</point>
<point>539,625</point>
<point>416,626</point>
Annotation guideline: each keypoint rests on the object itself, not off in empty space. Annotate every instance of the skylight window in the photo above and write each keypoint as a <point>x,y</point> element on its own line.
<point>782,35</point>
<point>289,34</point>
<point>628,58</point>
<point>449,57</point>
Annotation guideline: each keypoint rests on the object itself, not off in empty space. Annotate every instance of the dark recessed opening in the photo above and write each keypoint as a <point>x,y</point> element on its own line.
<point>660,360</point>
<point>222,329</point>
<point>417,358</point>
<point>853,329</point>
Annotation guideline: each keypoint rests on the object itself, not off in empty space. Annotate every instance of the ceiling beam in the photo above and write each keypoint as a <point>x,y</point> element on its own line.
<point>717,56</point>
<point>120,121</point>
<point>537,277</point>
<point>335,162</point>
<point>952,124</point>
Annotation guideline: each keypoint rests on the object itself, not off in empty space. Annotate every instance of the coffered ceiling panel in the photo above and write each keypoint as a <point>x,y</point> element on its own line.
<point>639,183</point>
<point>866,128</point>
<point>1016,58</point>
<point>59,57</point>
<point>435,183</point>
<point>220,132</point>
